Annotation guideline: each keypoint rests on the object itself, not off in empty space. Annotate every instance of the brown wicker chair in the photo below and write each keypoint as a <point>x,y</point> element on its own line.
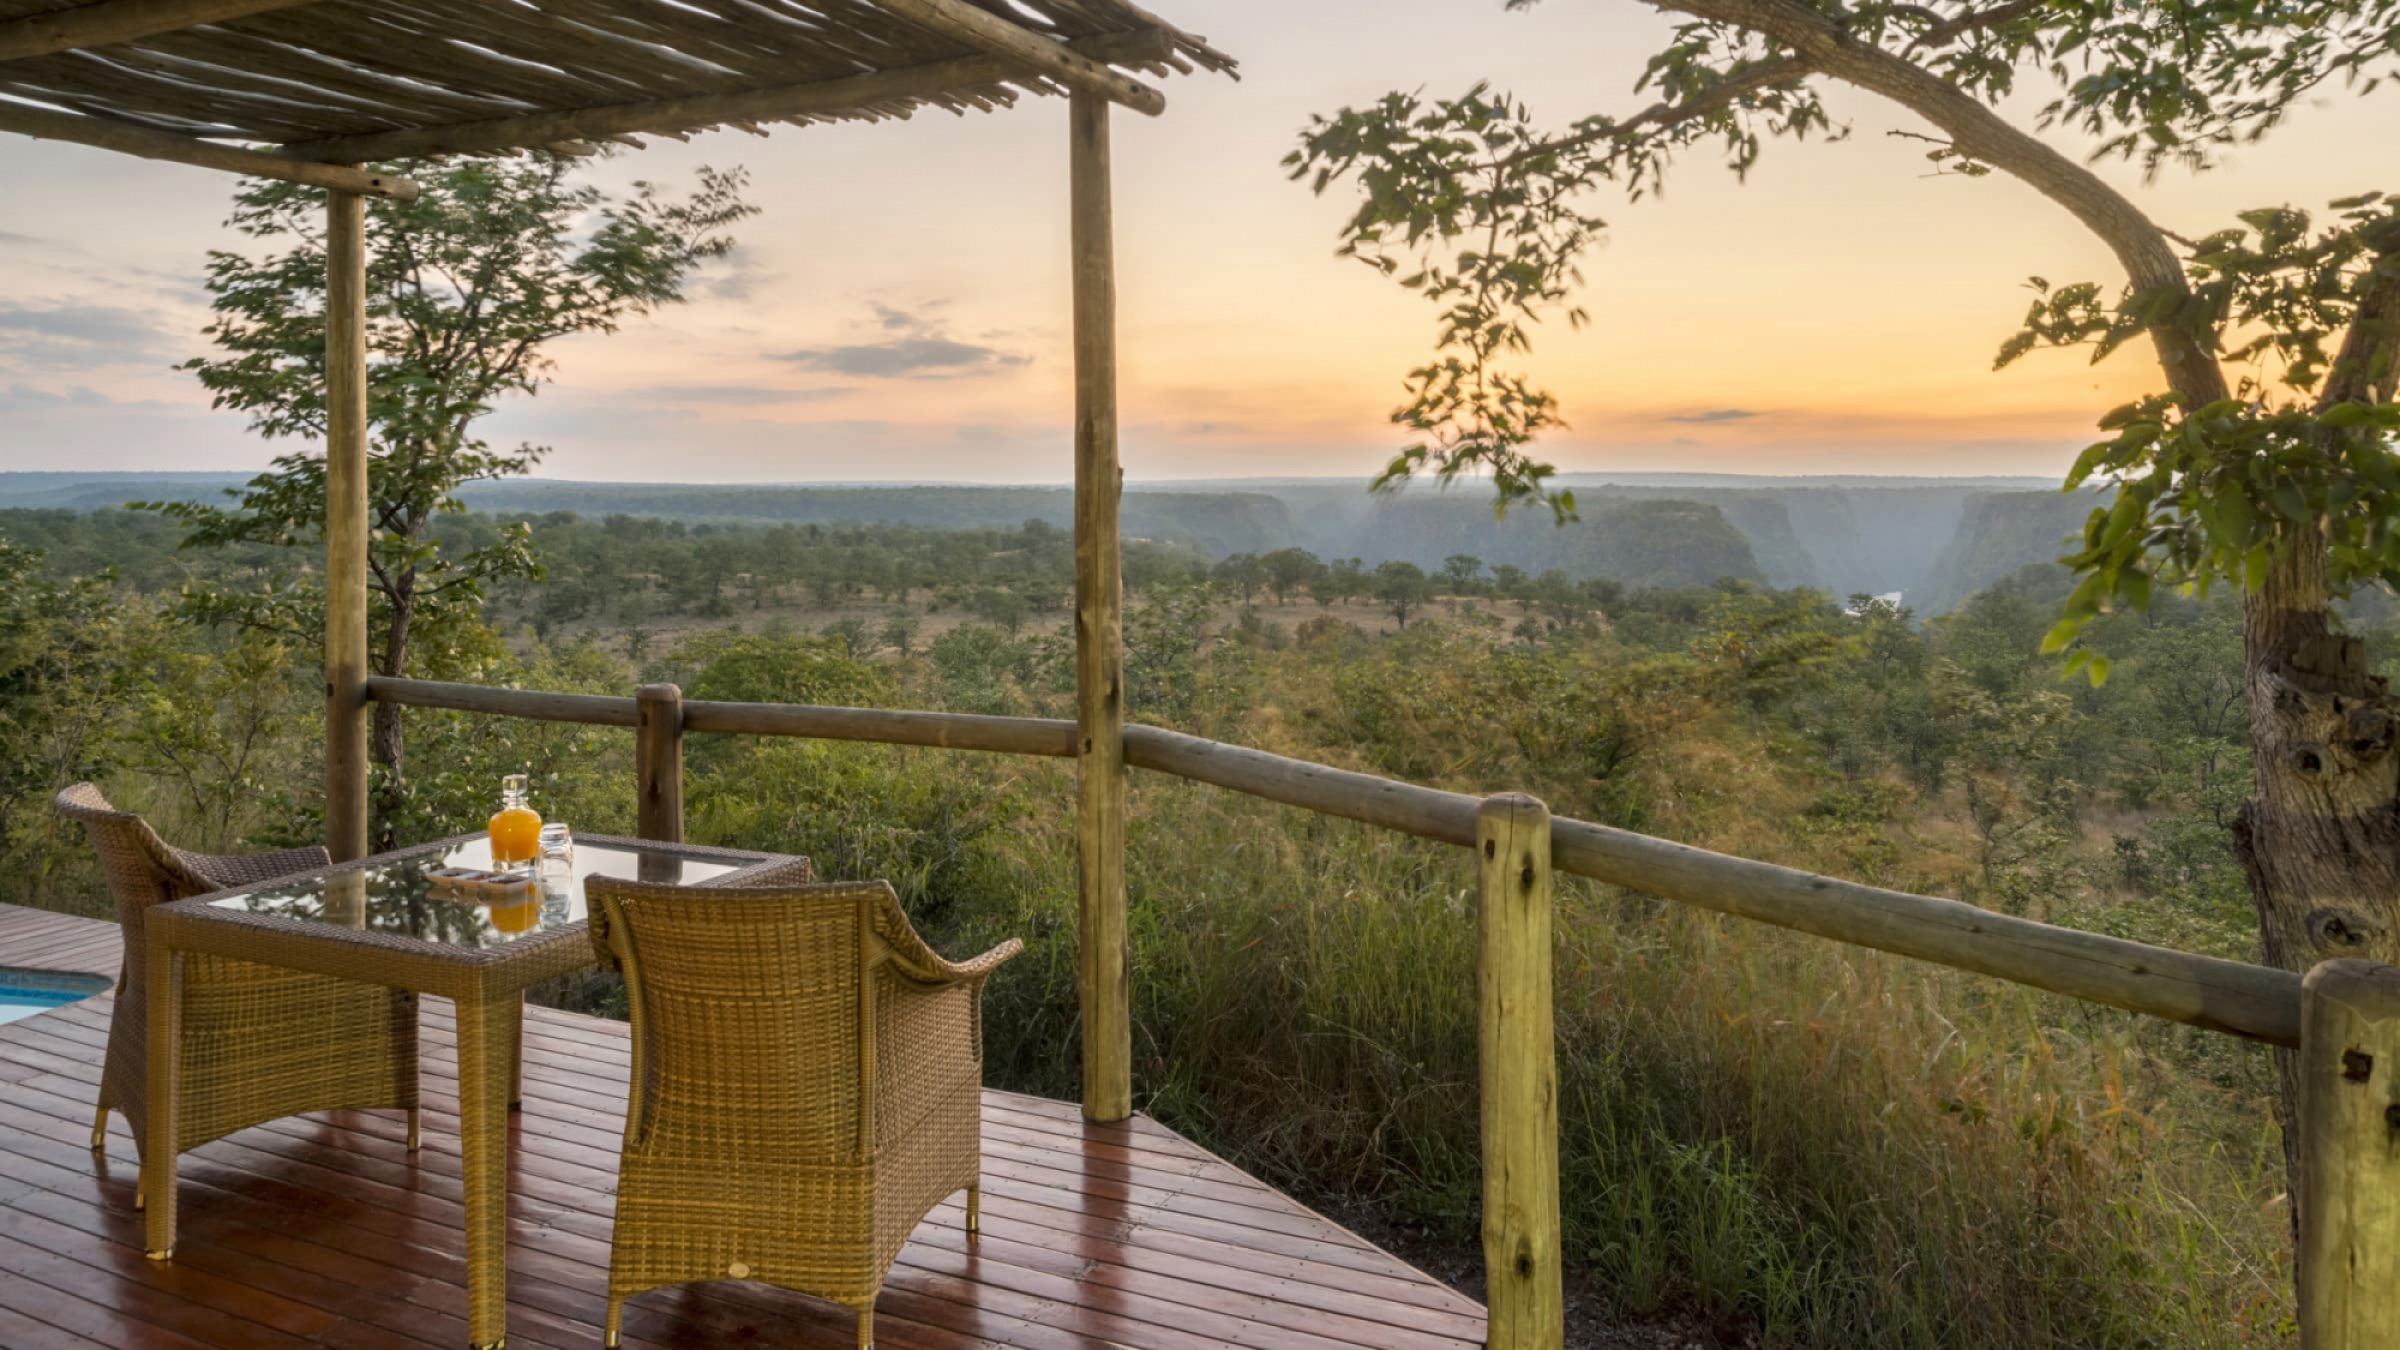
<point>258,1042</point>
<point>807,1085</point>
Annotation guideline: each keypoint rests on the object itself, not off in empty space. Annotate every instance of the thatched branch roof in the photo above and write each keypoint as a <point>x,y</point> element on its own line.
<point>349,81</point>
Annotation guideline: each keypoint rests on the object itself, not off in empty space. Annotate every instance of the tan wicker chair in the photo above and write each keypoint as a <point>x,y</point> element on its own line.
<point>258,1042</point>
<point>807,1085</point>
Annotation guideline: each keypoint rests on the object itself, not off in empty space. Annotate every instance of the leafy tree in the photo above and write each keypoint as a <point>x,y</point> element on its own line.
<point>1005,608</point>
<point>1242,573</point>
<point>467,286</point>
<point>1462,573</point>
<point>1289,569</point>
<point>900,635</point>
<point>2283,485</point>
<point>71,661</point>
<point>1402,586</point>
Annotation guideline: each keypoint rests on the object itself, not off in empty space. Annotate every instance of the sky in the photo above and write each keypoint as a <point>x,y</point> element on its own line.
<point>900,309</point>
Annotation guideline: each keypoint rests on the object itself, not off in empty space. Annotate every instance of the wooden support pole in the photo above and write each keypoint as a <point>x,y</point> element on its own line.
<point>1099,629</point>
<point>126,139</point>
<point>2349,1186</point>
<point>1522,1283</point>
<point>345,525</point>
<point>91,25</point>
<point>658,761</point>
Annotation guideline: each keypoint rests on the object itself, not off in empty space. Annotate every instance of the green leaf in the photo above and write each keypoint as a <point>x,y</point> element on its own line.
<point>2060,634</point>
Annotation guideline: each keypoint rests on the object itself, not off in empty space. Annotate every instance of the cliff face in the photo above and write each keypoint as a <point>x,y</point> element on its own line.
<point>1216,523</point>
<point>1661,541</point>
<point>2000,535</point>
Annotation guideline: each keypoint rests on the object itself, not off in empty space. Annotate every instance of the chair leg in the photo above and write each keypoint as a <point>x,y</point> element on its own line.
<point>138,1191</point>
<point>416,1127</point>
<point>100,1129</point>
<point>975,1209</point>
<point>866,1329</point>
<point>616,1321</point>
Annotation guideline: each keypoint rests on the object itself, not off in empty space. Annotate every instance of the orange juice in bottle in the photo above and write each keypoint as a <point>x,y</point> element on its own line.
<point>516,827</point>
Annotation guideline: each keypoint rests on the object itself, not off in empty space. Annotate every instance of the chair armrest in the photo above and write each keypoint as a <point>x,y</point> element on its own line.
<point>926,966</point>
<point>221,870</point>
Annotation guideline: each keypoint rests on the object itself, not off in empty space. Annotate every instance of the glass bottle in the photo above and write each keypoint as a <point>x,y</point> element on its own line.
<point>516,828</point>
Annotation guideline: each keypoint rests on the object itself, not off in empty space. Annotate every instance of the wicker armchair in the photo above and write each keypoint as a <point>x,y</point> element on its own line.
<point>807,1085</point>
<point>258,1042</point>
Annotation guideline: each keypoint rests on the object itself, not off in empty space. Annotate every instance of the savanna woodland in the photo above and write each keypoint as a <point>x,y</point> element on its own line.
<point>1765,1138</point>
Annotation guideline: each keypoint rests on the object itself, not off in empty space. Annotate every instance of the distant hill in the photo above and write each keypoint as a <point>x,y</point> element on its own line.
<point>1216,523</point>
<point>96,491</point>
<point>1935,541</point>
<point>2001,535</point>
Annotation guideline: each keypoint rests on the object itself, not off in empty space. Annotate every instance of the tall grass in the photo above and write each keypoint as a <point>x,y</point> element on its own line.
<point>1774,1132</point>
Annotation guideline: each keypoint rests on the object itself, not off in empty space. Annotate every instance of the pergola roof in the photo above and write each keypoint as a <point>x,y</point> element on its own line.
<point>353,81</point>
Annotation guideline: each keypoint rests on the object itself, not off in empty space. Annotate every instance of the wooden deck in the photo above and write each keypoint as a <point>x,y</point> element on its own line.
<point>324,1231</point>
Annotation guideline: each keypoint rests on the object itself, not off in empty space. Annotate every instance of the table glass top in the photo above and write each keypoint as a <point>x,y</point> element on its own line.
<point>397,897</point>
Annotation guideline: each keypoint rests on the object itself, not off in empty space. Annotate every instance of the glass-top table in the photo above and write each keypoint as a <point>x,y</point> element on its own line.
<point>380,920</point>
<point>397,895</point>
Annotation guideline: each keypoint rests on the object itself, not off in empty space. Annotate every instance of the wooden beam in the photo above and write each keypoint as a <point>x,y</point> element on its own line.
<point>660,116</point>
<point>345,526</point>
<point>534,705</point>
<point>2349,1174</point>
<point>1099,627</point>
<point>45,125</point>
<point>982,28</point>
<point>1518,1057</point>
<point>121,21</point>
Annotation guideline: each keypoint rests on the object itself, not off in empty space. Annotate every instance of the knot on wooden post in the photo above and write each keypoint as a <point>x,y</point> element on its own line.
<point>2348,1196</point>
<point>658,761</point>
<point>1519,1063</point>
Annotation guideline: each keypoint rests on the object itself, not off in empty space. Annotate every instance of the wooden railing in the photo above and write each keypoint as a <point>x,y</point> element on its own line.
<point>2343,1018</point>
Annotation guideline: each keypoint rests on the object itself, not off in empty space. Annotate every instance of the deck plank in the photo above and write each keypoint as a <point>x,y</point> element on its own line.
<point>325,1231</point>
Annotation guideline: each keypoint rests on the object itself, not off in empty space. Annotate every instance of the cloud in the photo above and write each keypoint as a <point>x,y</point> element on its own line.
<point>918,347</point>
<point>1711,416</point>
<point>737,278</point>
<point>93,325</point>
<point>908,357</point>
<point>733,395</point>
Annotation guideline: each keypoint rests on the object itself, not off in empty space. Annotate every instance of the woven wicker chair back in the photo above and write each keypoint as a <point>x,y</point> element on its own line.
<point>769,978</point>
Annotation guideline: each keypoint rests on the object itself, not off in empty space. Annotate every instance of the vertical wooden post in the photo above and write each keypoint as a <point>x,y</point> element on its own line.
<point>658,761</point>
<point>658,771</point>
<point>345,525</point>
<point>2349,1188</point>
<point>1523,1287</point>
<point>1099,629</point>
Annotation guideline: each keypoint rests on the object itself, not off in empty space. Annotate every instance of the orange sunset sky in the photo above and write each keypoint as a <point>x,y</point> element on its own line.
<point>900,310</point>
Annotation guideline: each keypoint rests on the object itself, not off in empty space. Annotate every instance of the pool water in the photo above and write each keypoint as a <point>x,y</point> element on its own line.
<point>26,992</point>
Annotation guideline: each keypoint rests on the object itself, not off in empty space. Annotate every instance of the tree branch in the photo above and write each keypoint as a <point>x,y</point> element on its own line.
<point>1664,116</point>
<point>1946,31</point>
<point>2368,368</point>
<point>2141,247</point>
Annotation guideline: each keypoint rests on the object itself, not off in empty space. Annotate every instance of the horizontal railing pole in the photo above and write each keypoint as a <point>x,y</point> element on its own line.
<point>947,731</point>
<point>2229,996</point>
<point>2235,997</point>
<point>598,710</point>
<point>1428,813</point>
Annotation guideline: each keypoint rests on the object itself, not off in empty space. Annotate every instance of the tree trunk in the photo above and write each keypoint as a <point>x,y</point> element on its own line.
<point>386,750</point>
<point>2321,840</point>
